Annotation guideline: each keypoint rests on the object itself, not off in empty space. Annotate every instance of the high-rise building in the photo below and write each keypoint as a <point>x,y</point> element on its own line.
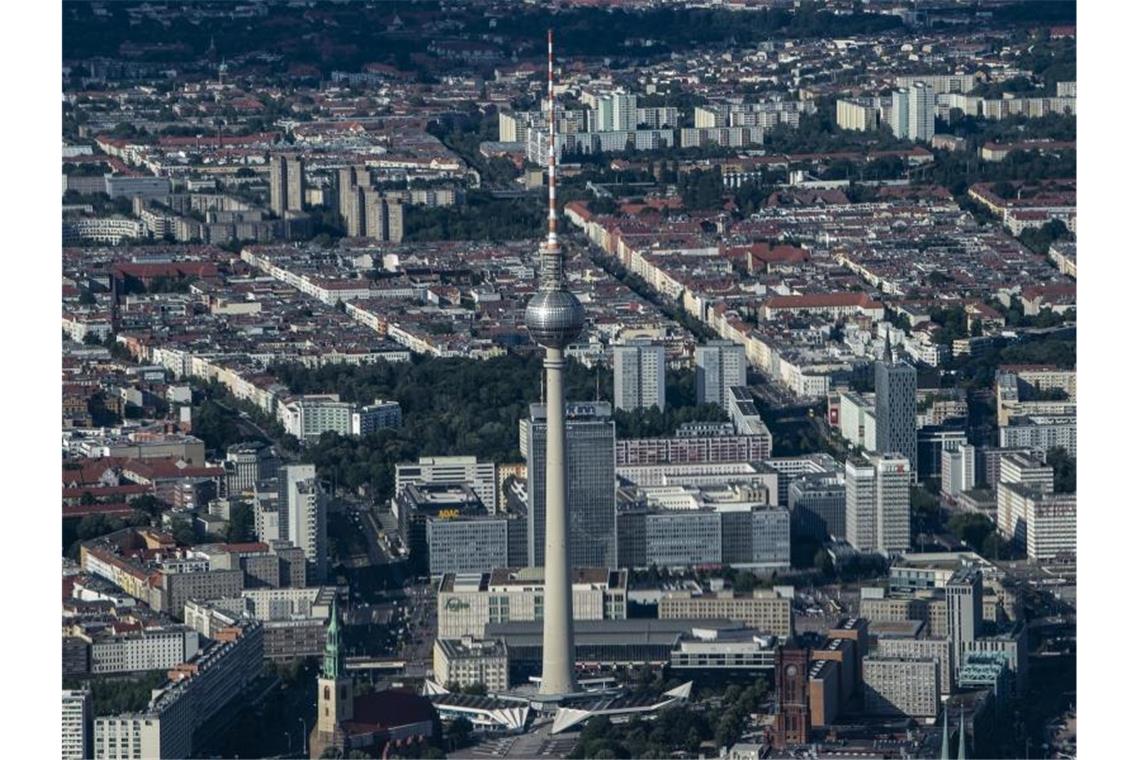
<point>878,503</point>
<point>639,376</point>
<point>900,113</point>
<point>303,509</point>
<point>963,609</point>
<point>77,724</point>
<point>461,470</point>
<point>860,115</point>
<point>617,113</point>
<point>818,505</point>
<point>901,686</point>
<point>286,184</point>
<point>554,317</point>
<point>590,489</point>
<point>720,366</point>
<point>959,472</point>
<point>922,105</point>
<point>896,384</point>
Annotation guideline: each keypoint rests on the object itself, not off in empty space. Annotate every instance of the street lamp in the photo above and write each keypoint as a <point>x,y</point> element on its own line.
<point>304,738</point>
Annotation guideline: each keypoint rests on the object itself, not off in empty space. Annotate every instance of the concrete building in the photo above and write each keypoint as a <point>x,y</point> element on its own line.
<point>959,470</point>
<point>465,604</point>
<point>878,503</point>
<point>720,366</point>
<point>861,115</point>
<point>467,545</point>
<point>1051,527</point>
<point>286,184</point>
<point>922,105</point>
<point>458,470</point>
<point>963,609</point>
<point>699,444</point>
<point>939,650</point>
<point>195,693</point>
<point>898,686</point>
<point>308,417</point>
<point>467,662</point>
<point>710,651</point>
<point>818,506</point>
<point>589,454</point>
<point>765,610</point>
<point>303,506</point>
<point>148,649</point>
<point>378,415</point>
<point>76,722</point>
<point>639,376</point>
<point>900,113</point>
<point>896,408</point>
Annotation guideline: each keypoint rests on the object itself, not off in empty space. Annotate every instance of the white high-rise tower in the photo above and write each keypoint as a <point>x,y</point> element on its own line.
<point>554,318</point>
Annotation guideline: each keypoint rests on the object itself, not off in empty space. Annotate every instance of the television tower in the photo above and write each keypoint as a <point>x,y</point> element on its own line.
<point>554,318</point>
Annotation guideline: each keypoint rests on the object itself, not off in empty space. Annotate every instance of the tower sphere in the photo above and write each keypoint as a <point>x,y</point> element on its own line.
<point>554,318</point>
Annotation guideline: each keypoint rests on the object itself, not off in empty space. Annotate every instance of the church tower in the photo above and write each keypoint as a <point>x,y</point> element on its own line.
<point>334,691</point>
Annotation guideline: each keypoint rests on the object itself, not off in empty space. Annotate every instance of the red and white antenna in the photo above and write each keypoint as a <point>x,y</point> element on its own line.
<point>552,219</point>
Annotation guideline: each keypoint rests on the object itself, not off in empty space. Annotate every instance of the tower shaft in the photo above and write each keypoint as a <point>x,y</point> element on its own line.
<point>558,617</point>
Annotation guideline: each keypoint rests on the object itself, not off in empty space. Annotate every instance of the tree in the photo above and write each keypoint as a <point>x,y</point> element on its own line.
<point>240,527</point>
<point>1064,470</point>
<point>972,528</point>
<point>459,732</point>
<point>183,531</point>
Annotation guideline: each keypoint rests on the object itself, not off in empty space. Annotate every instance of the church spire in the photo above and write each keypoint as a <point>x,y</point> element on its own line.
<point>888,355</point>
<point>334,663</point>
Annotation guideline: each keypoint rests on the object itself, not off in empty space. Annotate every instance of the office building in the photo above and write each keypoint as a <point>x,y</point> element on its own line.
<point>897,686</point>
<point>818,506</point>
<point>959,470</point>
<point>1051,527</point>
<point>590,498</point>
<point>963,609</point>
<point>294,620</point>
<point>639,376</point>
<point>286,184</point>
<point>465,604</point>
<point>878,503</point>
<point>194,694</point>
<point>153,648</point>
<point>766,610</point>
<point>745,415</point>
<point>1041,433</point>
<point>1020,476</point>
<point>466,662</point>
<point>720,366</point>
<point>76,721</point>
<point>303,506</point>
<point>933,441</point>
<point>458,470</point>
<point>467,545</point>
<point>938,649</point>
<point>699,443</point>
<point>308,417</point>
<point>896,405</point>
